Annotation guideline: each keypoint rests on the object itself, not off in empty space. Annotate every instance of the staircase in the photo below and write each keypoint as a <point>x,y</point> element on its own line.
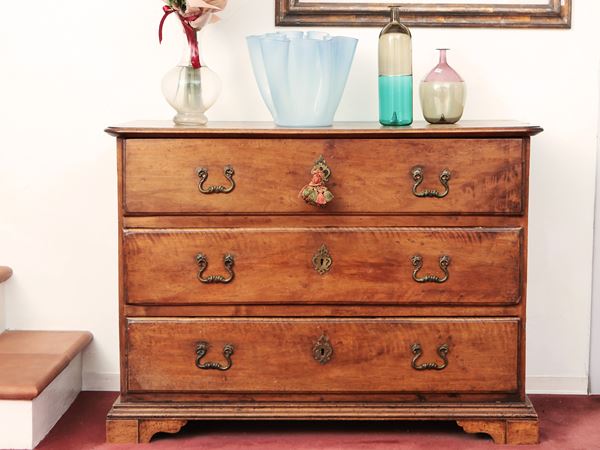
<point>40,376</point>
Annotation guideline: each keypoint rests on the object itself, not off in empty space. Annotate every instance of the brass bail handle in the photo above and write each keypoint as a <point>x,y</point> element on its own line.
<point>417,262</point>
<point>316,192</point>
<point>418,175</point>
<point>228,262</point>
<point>442,352</point>
<point>228,172</point>
<point>202,348</point>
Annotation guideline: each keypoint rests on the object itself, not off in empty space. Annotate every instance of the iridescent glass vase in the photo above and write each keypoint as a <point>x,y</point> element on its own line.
<point>443,93</point>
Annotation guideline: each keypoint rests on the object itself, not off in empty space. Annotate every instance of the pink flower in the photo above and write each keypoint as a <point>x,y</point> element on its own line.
<point>202,20</point>
<point>211,4</point>
<point>194,15</point>
<point>201,12</point>
<point>198,13</point>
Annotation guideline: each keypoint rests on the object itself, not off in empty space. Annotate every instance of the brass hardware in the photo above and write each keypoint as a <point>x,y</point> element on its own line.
<point>316,193</point>
<point>203,175</point>
<point>442,352</point>
<point>322,260</point>
<point>202,348</point>
<point>203,264</point>
<point>418,176</point>
<point>417,262</point>
<point>322,166</point>
<point>322,350</point>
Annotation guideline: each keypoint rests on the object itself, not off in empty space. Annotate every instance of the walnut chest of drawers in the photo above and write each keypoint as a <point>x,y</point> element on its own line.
<point>352,272</point>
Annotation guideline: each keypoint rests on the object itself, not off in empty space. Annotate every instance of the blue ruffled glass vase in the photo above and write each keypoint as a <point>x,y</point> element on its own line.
<point>301,76</point>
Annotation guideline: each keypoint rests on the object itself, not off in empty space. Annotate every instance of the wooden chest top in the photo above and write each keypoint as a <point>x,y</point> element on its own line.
<point>465,128</point>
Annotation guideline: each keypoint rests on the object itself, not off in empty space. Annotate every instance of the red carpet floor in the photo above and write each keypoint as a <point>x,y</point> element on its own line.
<point>567,423</point>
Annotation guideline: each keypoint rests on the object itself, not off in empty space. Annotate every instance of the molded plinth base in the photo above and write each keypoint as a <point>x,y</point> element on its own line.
<point>512,432</point>
<point>506,423</point>
<point>139,431</point>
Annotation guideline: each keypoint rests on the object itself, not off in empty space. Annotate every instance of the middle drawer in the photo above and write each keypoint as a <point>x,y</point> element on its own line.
<point>399,266</point>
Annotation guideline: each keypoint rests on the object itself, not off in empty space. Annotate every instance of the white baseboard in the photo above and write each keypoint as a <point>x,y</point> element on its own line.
<point>557,385</point>
<point>24,423</point>
<point>93,381</point>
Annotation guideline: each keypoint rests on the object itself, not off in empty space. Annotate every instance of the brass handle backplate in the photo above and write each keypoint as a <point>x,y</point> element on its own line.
<point>442,352</point>
<point>202,348</point>
<point>228,262</point>
<point>322,350</point>
<point>203,175</point>
<point>418,176</point>
<point>316,192</point>
<point>417,262</point>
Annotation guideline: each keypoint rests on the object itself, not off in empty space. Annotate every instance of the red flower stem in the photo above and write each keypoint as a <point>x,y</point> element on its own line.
<point>192,38</point>
<point>167,11</point>
<point>190,33</point>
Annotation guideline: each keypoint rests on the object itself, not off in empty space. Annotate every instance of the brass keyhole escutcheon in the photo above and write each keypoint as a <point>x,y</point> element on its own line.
<point>322,350</point>
<point>322,260</point>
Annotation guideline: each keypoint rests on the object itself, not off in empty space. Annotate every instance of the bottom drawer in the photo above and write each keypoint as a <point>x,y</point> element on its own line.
<point>268,355</point>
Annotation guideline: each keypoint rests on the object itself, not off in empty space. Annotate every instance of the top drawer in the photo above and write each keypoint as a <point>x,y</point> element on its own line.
<point>405,176</point>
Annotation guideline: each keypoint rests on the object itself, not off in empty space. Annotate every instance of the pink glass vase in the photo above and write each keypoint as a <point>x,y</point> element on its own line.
<point>443,93</point>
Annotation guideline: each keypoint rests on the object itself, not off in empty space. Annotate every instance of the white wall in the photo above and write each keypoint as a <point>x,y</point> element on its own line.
<point>595,331</point>
<point>75,71</point>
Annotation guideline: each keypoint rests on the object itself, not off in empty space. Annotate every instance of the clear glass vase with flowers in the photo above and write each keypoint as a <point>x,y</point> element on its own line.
<point>191,88</point>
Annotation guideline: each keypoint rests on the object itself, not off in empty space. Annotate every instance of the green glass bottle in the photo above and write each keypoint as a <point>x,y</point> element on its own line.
<point>395,73</point>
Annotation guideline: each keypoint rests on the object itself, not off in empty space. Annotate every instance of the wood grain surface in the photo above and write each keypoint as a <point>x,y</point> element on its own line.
<point>367,305</point>
<point>309,310</point>
<point>316,410</point>
<point>370,266</point>
<point>356,130</point>
<point>518,419</point>
<point>486,175</point>
<point>369,355</point>
<point>321,220</point>
<point>511,432</point>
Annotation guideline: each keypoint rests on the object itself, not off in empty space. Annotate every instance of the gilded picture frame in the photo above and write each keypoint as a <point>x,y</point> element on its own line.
<point>448,13</point>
